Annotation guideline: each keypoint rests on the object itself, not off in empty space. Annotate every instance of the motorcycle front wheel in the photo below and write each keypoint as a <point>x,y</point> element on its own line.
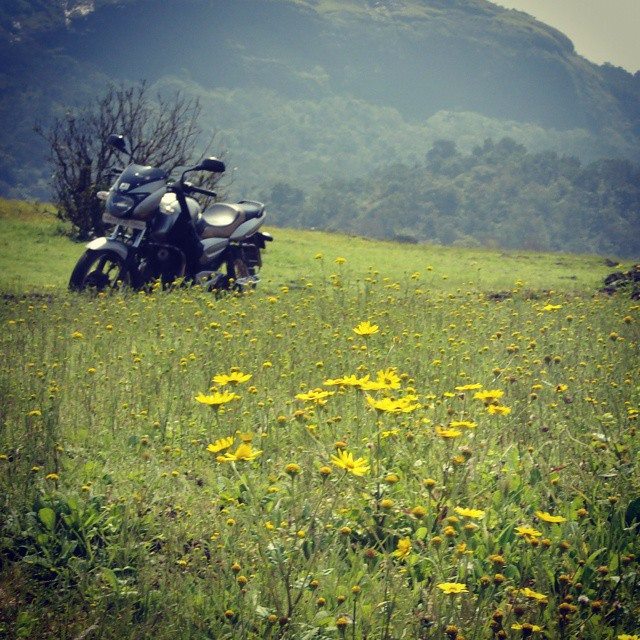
<point>99,270</point>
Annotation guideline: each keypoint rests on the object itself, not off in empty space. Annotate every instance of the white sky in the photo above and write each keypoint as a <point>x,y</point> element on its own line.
<point>601,30</point>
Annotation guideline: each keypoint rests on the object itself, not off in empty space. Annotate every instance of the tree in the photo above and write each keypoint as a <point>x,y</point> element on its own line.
<point>161,132</point>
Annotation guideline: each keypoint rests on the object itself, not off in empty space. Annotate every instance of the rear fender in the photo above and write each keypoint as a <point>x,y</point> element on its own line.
<point>247,228</point>
<point>258,239</point>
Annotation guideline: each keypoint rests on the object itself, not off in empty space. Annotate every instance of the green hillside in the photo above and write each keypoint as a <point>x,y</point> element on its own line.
<point>328,89</point>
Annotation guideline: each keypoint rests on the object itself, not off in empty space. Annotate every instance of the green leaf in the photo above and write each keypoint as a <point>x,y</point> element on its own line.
<point>322,618</point>
<point>506,535</point>
<point>48,517</point>
<point>262,612</point>
<point>421,533</point>
<point>512,572</point>
<point>110,578</point>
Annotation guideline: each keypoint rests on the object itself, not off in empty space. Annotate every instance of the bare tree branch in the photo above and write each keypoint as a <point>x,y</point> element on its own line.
<point>161,132</point>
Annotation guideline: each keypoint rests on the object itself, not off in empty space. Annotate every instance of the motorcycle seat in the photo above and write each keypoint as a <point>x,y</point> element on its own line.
<point>251,208</point>
<point>220,215</point>
<point>221,219</point>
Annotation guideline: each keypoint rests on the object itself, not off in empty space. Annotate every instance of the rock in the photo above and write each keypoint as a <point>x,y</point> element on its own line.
<point>624,281</point>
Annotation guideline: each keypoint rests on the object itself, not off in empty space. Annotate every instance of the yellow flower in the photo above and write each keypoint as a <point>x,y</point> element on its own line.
<point>407,404</point>
<point>373,385</point>
<point>453,587</point>
<point>342,623</point>
<point>498,410</point>
<point>418,512</point>
<point>245,452</point>
<point>216,399</point>
<point>345,381</point>
<point>448,433</point>
<point>366,329</point>
<point>340,260</point>
<point>389,378</point>
<point>235,377</point>
<point>403,548</point>
<point>464,424</point>
<point>534,595</point>
<point>318,396</point>
<point>552,307</point>
<point>490,396</point>
<point>293,469</point>
<point>534,628</point>
<point>528,532</point>
<point>345,460</point>
<point>52,476</point>
<point>627,636</point>
<point>475,514</point>
<point>220,445</point>
<point>547,517</point>
<point>469,387</point>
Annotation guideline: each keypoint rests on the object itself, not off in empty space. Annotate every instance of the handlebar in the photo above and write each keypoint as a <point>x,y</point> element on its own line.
<point>205,192</point>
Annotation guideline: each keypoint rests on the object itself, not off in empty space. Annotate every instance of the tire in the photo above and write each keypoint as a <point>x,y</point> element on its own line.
<point>100,270</point>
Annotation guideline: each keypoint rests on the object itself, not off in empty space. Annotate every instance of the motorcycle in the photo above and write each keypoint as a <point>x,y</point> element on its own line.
<point>160,233</point>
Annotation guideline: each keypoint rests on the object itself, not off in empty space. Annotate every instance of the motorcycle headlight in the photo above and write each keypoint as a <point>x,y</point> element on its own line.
<point>119,205</point>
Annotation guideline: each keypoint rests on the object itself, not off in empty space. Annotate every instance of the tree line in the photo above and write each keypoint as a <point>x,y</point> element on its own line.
<point>498,195</point>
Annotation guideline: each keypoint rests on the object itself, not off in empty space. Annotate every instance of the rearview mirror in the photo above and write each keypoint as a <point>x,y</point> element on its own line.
<point>117,142</point>
<point>212,164</point>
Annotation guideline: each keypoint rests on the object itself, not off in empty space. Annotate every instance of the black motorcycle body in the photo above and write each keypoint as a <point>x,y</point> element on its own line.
<point>161,233</point>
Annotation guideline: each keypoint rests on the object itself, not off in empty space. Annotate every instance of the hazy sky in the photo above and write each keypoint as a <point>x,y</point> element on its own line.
<point>601,30</point>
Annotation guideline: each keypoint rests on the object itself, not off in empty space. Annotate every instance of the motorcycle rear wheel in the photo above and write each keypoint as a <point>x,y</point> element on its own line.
<point>99,270</point>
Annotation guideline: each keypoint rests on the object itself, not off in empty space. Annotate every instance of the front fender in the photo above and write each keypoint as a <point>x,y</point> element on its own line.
<point>112,245</point>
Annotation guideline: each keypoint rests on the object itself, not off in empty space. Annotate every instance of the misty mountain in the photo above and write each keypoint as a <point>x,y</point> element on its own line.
<point>300,91</point>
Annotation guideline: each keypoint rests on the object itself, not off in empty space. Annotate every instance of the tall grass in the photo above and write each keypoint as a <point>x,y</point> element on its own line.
<point>462,466</point>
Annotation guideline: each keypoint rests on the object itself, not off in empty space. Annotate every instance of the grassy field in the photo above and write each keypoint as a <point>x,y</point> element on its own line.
<point>36,255</point>
<point>371,445</point>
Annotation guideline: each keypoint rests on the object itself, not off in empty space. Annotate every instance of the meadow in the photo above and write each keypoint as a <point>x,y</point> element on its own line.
<point>381,441</point>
